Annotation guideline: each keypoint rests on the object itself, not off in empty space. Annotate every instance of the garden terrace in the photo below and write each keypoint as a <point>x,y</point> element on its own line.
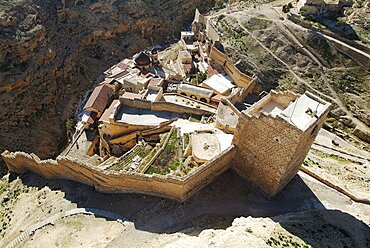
<point>133,158</point>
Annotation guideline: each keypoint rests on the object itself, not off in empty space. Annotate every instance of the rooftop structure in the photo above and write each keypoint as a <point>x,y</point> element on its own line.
<point>185,57</point>
<point>143,117</point>
<point>157,82</point>
<point>219,83</point>
<point>226,118</point>
<point>133,83</point>
<point>153,93</point>
<point>183,101</point>
<point>109,111</point>
<point>130,95</point>
<point>187,39</point>
<point>117,70</point>
<point>205,146</point>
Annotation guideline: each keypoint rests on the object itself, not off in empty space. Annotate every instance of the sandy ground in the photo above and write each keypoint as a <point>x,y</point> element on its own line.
<point>157,222</point>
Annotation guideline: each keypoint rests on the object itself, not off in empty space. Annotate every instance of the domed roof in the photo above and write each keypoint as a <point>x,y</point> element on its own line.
<point>154,51</point>
<point>142,59</point>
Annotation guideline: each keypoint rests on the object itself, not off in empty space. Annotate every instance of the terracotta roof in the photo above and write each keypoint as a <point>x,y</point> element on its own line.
<point>108,112</point>
<point>99,98</point>
<point>212,71</point>
<point>92,118</point>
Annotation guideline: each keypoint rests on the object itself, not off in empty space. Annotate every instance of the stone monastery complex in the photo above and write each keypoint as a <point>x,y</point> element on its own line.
<point>168,129</point>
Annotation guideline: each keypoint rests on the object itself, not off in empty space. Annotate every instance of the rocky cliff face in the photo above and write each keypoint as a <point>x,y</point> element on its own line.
<point>51,52</point>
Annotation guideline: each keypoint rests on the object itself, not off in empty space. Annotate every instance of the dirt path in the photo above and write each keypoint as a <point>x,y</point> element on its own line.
<point>301,80</point>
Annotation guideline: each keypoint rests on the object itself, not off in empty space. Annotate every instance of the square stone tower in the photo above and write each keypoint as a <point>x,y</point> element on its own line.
<point>274,136</point>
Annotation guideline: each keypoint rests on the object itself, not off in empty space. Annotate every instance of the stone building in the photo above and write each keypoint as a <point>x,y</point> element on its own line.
<point>274,136</point>
<point>187,40</point>
<point>134,83</point>
<point>185,63</point>
<point>219,83</point>
<point>195,92</point>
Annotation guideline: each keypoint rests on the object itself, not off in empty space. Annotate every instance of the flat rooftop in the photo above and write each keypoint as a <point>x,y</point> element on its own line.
<point>144,117</point>
<point>304,111</point>
<point>300,111</point>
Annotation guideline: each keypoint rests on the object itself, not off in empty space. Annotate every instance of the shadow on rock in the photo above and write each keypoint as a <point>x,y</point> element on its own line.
<point>215,206</point>
<point>323,228</point>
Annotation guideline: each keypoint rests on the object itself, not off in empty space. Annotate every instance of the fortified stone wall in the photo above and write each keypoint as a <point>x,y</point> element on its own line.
<point>200,18</point>
<point>211,32</point>
<point>240,79</point>
<point>270,150</point>
<point>114,182</point>
<point>265,147</point>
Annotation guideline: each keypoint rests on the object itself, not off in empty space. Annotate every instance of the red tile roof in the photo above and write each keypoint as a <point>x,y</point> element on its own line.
<point>99,98</point>
<point>108,112</point>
